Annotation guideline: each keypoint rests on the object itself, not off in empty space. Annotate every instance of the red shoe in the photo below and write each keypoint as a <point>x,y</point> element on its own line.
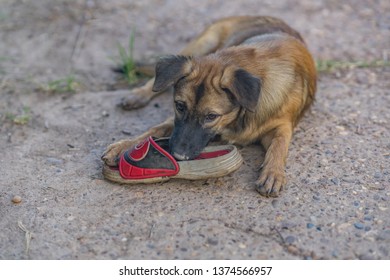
<point>149,162</point>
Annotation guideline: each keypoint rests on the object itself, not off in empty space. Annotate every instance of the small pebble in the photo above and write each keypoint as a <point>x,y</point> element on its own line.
<point>105,114</point>
<point>349,180</point>
<point>126,132</point>
<point>289,239</point>
<point>335,181</point>
<point>54,161</point>
<point>212,241</point>
<point>287,225</point>
<point>293,250</point>
<point>328,152</point>
<point>359,225</point>
<point>16,199</point>
<point>275,203</point>
<point>309,225</point>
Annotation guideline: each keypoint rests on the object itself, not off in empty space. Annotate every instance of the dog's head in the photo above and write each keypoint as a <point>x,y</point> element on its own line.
<point>209,94</point>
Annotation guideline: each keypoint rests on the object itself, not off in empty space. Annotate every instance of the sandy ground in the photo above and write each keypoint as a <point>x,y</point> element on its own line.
<point>336,205</point>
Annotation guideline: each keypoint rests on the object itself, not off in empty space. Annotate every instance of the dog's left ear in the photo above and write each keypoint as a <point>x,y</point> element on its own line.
<point>169,70</point>
<point>244,87</point>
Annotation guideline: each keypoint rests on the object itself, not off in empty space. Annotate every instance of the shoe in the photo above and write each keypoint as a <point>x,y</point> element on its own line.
<point>150,162</point>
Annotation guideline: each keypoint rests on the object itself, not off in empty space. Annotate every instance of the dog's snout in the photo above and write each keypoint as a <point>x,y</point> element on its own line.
<point>188,138</point>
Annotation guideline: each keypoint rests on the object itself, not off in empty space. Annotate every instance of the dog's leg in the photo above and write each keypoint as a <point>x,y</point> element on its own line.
<point>207,42</point>
<point>139,97</point>
<point>113,151</point>
<point>146,68</point>
<point>272,177</point>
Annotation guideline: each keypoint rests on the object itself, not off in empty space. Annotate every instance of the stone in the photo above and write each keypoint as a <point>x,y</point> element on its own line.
<point>359,225</point>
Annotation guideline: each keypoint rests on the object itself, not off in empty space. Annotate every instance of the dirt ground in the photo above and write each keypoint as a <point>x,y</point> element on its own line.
<point>336,205</point>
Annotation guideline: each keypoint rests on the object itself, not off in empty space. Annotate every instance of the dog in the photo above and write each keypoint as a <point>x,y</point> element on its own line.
<point>245,79</point>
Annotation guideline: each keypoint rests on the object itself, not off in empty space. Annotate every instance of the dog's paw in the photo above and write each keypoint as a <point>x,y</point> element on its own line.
<point>113,152</point>
<point>271,182</point>
<point>136,99</point>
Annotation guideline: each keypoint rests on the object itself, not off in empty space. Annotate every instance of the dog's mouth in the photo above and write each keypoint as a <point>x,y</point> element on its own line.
<point>188,141</point>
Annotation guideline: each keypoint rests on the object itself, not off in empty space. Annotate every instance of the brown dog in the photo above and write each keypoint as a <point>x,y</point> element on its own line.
<point>246,79</point>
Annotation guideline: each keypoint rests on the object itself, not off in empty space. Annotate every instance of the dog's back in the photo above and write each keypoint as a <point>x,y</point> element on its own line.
<point>232,31</point>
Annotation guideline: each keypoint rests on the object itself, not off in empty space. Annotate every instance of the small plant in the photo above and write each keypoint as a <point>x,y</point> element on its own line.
<point>67,84</point>
<point>20,119</point>
<point>126,61</point>
<point>331,65</point>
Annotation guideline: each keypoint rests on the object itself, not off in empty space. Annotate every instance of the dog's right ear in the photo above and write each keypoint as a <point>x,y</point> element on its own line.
<point>243,86</point>
<point>169,70</point>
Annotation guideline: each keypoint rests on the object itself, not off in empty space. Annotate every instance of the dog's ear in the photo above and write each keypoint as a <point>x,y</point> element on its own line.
<point>243,86</point>
<point>169,70</point>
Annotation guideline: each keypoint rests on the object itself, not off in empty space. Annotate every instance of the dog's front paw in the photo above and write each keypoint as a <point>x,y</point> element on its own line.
<point>137,98</point>
<point>271,182</point>
<point>113,152</point>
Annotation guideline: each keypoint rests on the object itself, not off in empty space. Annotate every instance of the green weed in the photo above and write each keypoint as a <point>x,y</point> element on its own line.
<point>126,60</point>
<point>21,119</point>
<point>67,84</point>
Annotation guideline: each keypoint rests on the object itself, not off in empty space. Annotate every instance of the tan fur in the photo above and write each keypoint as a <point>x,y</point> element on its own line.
<point>267,49</point>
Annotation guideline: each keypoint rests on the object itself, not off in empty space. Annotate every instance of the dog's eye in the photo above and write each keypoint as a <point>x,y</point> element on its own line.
<point>180,107</point>
<point>211,117</point>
